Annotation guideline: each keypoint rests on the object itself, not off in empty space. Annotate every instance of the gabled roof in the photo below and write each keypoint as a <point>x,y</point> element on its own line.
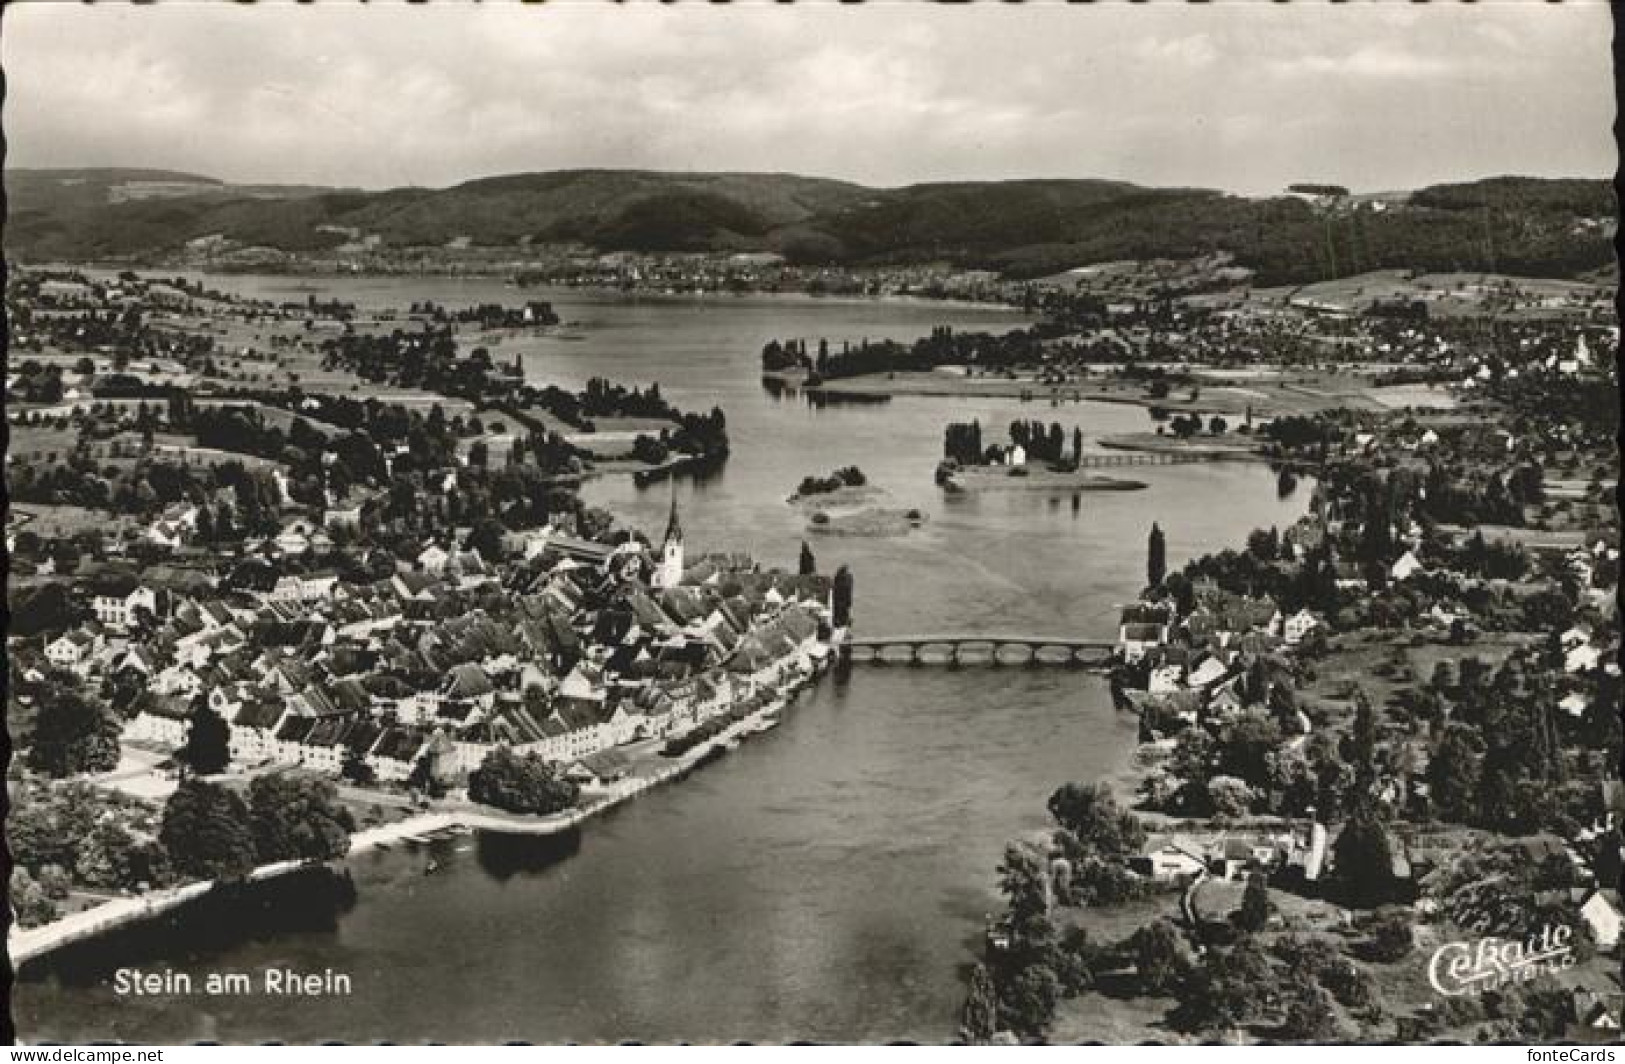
<point>167,707</point>
<point>359,735</point>
<point>326,732</point>
<point>258,713</point>
<point>398,744</point>
<point>112,584</point>
<point>468,681</point>
<point>349,696</point>
<point>1142,613</point>
<point>606,763</point>
<point>294,729</point>
<point>386,686</point>
<point>321,704</point>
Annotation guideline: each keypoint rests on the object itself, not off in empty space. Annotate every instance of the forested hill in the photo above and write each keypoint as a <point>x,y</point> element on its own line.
<point>1023,228</point>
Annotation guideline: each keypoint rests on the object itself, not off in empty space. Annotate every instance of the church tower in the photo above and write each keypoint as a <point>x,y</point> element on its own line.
<point>670,571</point>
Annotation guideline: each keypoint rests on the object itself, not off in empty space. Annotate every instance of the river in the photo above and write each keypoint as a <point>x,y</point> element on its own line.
<point>826,881</point>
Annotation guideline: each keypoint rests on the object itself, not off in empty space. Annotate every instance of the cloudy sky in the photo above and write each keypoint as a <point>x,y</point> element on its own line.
<point>1243,96</point>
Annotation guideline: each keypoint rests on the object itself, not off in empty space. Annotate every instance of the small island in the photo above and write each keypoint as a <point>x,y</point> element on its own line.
<point>848,479</point>
<point>1036,459</point>
<point>846,504</point>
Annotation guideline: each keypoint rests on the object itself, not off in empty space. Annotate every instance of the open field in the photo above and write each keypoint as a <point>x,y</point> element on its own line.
<point>32,443</point>
<point>1423,396</point>
<point>1445,293</point>
<point>1564,539</point>
<point>65,522</point>
<point>1112,1013</point>
<point>1381,664</point>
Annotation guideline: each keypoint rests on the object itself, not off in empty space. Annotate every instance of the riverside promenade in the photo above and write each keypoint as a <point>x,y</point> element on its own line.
<point>27,944</point>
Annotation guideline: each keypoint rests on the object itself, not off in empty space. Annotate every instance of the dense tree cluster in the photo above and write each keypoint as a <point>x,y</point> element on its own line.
<point>962,443</point>
<point>845,477</point>
<point>208,741</point>
<point>520,783</point>
<point>534,314</point>
<point>85,833</point>
<point>73,732</point>
<point>297,817</point>
<point>209,832</point>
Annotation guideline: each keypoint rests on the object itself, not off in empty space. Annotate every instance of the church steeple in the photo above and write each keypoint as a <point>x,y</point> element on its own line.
<point>674,528</point>
<point>669,573</point>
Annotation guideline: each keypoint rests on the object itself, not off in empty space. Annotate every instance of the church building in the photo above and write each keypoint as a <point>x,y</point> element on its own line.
<point>669,573</point>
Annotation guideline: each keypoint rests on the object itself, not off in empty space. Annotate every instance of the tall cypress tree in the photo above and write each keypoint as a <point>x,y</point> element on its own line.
<point>979,1020</point>
<point>208,741</point>
<point>1156,560</point>
<point>841,596</point>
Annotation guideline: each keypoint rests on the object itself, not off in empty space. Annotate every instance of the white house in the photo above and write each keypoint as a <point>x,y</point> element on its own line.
<point>1582,658</point>
<point>295,536</point>
<point>161,722</point>
<point>1574,704</point>
<point>1165,679</point>
<point>72,650</point>
<point>1142,628</point>
<point>1407,566</point>
<point>1574,637</point>
<point>1170,861</point>
<point>433,558</point>
<point>179,680</point>
<point>394,754</point>
<point>581,684</point>
<point>342,517</point>
<point>1210,671</point>
<point>1300,624</point>
<point>1601,914</point>
<point>303,587</point>
<point>118,611</point>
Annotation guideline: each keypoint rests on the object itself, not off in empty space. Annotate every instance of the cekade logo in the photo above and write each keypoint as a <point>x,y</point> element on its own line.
<point>1459,968</point>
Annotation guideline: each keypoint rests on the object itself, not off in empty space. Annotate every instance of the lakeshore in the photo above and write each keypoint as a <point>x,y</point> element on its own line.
<point>1027,478</point>
<point>1232,448</point>
<point>1282,394</point>
<point>25,945</point>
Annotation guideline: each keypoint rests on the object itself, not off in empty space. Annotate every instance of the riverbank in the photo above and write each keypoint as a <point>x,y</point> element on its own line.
<point>1024,478</point>
<point>458,816</point>
<point>1305,396</point>
<point>1213,447</point>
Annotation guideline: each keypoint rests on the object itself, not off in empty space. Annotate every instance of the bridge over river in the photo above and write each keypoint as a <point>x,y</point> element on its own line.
<point>1002,648</point>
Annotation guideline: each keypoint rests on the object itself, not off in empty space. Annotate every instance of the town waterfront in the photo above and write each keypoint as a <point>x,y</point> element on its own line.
<point>827,880</point>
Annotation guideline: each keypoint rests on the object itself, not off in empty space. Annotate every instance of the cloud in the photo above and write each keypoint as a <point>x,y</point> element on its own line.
<point>1390,65</point>
<point>1243,97</point>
